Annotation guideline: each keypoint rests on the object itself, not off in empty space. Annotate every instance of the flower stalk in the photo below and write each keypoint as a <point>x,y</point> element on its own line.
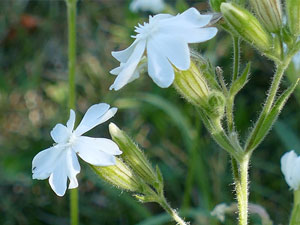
<point>72,10</point>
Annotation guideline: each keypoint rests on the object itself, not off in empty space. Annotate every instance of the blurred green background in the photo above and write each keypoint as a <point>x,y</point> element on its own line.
<point>33,98</point>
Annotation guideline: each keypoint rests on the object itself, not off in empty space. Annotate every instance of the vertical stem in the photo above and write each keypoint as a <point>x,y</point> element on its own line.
<point>171,211</point>
<point>295,217</point>
<point>236,57</point>
<point>241,186</point>
<point>71,8</point>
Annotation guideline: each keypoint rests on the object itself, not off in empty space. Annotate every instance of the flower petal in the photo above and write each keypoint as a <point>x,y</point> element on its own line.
<point>58,179</point>
<point>175,49</point>
<point>92,118</point>
<point>45,161</point>
<point>60,134</point>
<point>123,56</point>
<point>71,121</point>
<point>288,163</point>
<point>89,150</point>
<point>73,168</point>
<point>159,68</point>
<point>199,35</point>
<point>129,68</point>
<point>103,144</point>
<point>190,18</point>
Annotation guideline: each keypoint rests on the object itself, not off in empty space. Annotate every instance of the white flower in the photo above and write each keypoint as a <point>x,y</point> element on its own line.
<point>290,167</point>
<point>60,161</point>
<point>165,42</point>
<point>155,6</point>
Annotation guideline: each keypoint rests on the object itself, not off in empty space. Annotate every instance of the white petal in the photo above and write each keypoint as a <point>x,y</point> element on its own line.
<point>123,56</point>
<point>288,163</point>
<point>101,144</point>
<point>189,19</point>
<point>45,161</point>
<point>92,118</point>
<point>91,153</point>
<point>159,68</point>
<point>175,49</point>
<point>129,68</point>
<point>60,133</point>
<point>71,121</point>
<point>199,35</point>
<point>73,168</point>
<point>58,179</point>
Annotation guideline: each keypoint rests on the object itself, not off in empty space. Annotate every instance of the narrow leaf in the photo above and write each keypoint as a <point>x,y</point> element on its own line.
<point>241,81</point>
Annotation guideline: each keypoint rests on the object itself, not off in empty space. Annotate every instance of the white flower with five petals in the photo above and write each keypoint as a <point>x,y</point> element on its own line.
<point>60,161</point>
<point>290,167</point>
<point>164,40</point>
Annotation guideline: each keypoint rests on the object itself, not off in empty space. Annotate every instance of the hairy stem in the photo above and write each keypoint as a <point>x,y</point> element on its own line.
<point>240,175</point>
<point>236,57</point>
<point>165,205</point>
<point>71,8</point>
<point>268,105</point>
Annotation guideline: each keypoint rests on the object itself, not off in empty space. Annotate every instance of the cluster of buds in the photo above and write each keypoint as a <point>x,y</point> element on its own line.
<point>199,87</point>
<point>132,171</point>
<point>264,27</point>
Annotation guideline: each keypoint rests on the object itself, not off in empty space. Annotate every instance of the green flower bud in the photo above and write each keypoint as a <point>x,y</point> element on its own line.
<point>216,105</point>
<point>293,13</point>
<point>120,175</point>
<point>215,4</point>
<point>269,13</point>
<point>192,85</point>
<point>247,26</point>
<point>133,155</point>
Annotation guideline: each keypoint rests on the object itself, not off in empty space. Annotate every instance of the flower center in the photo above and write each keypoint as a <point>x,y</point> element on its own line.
<point>72,139</point>
<point>146,30</point>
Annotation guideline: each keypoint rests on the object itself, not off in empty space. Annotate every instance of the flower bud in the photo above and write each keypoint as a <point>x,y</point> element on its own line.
<point>215,4</point>
<point>216,105</point>
<point>192,85</point>
<point>247,26</point>
<point>269,13</point>
<point>133,155</point>
<point>293,13</point>
<point>120,175</point>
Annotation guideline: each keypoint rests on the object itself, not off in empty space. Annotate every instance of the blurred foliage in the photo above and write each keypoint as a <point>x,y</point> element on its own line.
<point>33,98</point>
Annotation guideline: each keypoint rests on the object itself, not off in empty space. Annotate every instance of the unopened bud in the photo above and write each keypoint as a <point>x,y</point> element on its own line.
<point>192,85</point>
<point>269,13</point>
<point>120,175</point>
<point>133,155</point>
<point>216,105</point>
<point>293,13</point>
<point>215,4</point>
<point>247,26</point>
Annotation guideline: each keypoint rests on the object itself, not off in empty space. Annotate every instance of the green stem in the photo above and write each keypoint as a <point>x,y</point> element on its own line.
<point>229,114</point>
<point>268,105</point>
<point>240,171</point>
<point>171,211</point>
<point>295,217</point>
<point>236,57</point>
<point>71,8</point>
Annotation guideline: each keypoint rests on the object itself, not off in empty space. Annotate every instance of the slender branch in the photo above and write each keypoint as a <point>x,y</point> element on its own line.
<point>171,211</point>
<point>268,105</point>
<point>71,8</point>
<point>236,57</point>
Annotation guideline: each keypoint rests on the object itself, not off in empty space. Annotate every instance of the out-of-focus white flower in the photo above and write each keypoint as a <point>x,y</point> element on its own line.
<point>60,161</point>
<point>296,61</point>
<point>290,167</point>
<point>155,6</point>
<point>164,40</point>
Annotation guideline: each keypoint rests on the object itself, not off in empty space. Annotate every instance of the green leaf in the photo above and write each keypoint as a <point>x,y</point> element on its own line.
<point>241,81</point>
<point>273,115</point>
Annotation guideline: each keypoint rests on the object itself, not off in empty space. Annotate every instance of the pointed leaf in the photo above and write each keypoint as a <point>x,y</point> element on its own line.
<point>241,81</point>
